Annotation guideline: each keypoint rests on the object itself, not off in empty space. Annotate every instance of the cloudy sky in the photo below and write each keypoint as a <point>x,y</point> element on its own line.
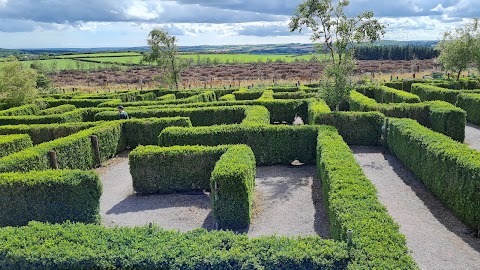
<point>124,23</point>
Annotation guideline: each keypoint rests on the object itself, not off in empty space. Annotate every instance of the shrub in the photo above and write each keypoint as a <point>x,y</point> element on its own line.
<point>173,169</point>
<point>256,115</point>
<point>430,92</point>
<point>248,94</point>
<point>232,184</point>
<point>384,94</point>
<point>29,109</point>
<point>266,95</point>
<point>208,96</point>
<point>81,246</point>
<point>79,103</point>
<point>147,96</point>
<point>199,116</point>
<point>73,116</point>
<point>13,143</point>
<point>471,104</point>
<point>167,97</point>
<point>278,89</point>
<point>449,169</point>
<point>356,128</point>
<point>229,97</point>
<point>272,144</point>
<point>352,204</point>
<point>49,196</point>
<point>146,131</point>
<point>293,95</point>
<point>58,110</point>
<point>40,133</point>
<point>447,119</point>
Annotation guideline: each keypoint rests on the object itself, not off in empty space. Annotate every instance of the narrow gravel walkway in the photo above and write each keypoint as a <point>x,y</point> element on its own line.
<point>287,202</point>
<point>472,136</point>
<point>436,237</point>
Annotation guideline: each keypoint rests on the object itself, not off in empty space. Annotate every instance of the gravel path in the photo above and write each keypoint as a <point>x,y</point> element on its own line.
<point>472,136</point>
<point>436,237</point>
<point>285,203</point>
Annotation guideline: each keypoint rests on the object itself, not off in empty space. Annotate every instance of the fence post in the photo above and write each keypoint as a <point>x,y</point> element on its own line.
<point>96,150</point>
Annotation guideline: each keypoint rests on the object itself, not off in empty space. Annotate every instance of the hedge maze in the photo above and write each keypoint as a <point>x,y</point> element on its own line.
<point>212,140</point>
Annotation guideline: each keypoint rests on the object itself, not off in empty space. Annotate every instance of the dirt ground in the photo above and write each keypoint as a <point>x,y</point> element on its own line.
<point>472,136</point>
<point>438,240</point>
<point>287,202</point>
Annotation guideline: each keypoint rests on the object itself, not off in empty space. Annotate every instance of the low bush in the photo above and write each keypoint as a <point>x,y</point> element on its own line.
<point>49,196</point>
<point>147,96</point>
<point>157,169</point>
<point>429,92</point>
<point>10,144</point>
<point>272,144</point>
<point>449,169</point>
<point>256,115</point>
<point>81,246</point>
<point>447,119</point>
<point>278,89</point>
<point>58,110</point>
<point>384,94</point>
<point>293,95</point>
<point>266,95</point>
<point>167,97</point>
<point>40,133</point>
<point>72,116</point>
<point>248,94</point>
<point>146,131</point>
<point>356,128</point>
<point>232,184</point>
<point>29,109</point>
<point>208,96</point>
<point>79,103</point>
<point>352,204</point>
<point>471,104</point>
<point>229,97</point>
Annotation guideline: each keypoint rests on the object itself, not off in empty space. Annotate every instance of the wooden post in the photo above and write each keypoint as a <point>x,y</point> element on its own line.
<point>53,159</point>
<point>385,134</point>
<point>96,150</point>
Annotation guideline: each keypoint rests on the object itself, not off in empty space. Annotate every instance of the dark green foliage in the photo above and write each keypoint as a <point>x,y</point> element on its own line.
<point>429,92</point>
<point>266,95</point>
<point>471,104</point>
<point>79,103</point>
<point>147,96</point>
<point>256,115</point>
<point>272,144</point>
<point>125,96</point>
<point>167,97</point>
<point>279,89</point>
<point>49,196</point>
<point>58,110</point>
<point>356,128</point>
<point>41,133</point>
<point>384,94</point>
<point>395,52</point>
<point>29,109</point>
<point>352,204</point>
<point>208,96</point>
<point>232,184</point>
<point>13,143</point>
<point>293,95</point>
<point>199,116</point>
<point>229,97</point>
<point>248,94</point>
<point>449,169</point>
<point>80,246</point>
<point>146,131</point>
<point>72,116</point>
<point>447,119</point>
<point>173,169</point>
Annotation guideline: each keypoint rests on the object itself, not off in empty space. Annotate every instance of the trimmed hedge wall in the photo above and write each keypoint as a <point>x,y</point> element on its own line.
<point>248,94</point>
<point>449,169</point>
<point>167,97</point>
<point>439,116</point>
<point>229,97</point>
<point>199,116</point>
<point>272,144</point>
<point>10,144</point>
<point>40,133</point>
<point>29,109</point>
<point>81,246</point>
<point>356,128</point>
<point>208,96</point>
<point>256,115</point>
<point>471,104</point>
<point>384,94</point>
<point>79,103</point>
<point>430,92</point>
<point>146,131</point>
<point>352,204</point>
<point>73,116</point>
<point>232,185</point>
<point>266,95</point>
<point>157,169</point>
<point>58,110</point>
<point>294,95</point>
<point>49,196</point>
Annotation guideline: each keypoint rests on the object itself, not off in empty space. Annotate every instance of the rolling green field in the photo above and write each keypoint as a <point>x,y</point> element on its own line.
<point>95,55</point>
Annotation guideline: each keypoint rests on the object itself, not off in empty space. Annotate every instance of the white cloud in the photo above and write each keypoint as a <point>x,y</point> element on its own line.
<point>141,10</point>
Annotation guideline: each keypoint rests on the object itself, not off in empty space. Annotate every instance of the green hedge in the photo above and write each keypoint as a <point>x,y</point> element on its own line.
<point>72,116</point>
<point>49,196</point>
<point>208,96</point>
<point>58,110</point>
<point>10,144</point>
<point>272,144</point>
<point>384,94</point>
<point>352,204</point>
<point>147,96</point>
<point>81,246</point>
<point>146,131</point>
<point>248,94</point>
<point>40,133</point>
<point>73,152</point>
<point>356,128</point>
<point>439,116</point>
<point>471,104</point>
<point>124,96</point>
<point>293,95</point>
<point>232,185</point>
<point>157,169</point>
<point>429,92</point>
<point>277,89</point>
<point>449,169</point>
<point>167,97</point>
<point>266,95</point>
<point>199,116</point>
<point>229,97</point>
<point>29,109</point>
<point>256,115</point>
<point>79,103</point>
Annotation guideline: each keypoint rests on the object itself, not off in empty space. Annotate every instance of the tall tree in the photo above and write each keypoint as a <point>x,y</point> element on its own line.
<point>164,51</point>
<point>461,48</point>
<point>17,83</point>
<point>337,34</point>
